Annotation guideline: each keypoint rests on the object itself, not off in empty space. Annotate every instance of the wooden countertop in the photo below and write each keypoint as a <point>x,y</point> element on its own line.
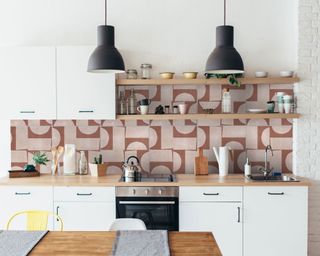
<point>100,243</point>
<point>113,180</point>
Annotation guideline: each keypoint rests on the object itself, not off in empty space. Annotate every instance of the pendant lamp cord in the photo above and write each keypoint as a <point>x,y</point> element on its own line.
<point>105,12</point>
<point>225,11</point>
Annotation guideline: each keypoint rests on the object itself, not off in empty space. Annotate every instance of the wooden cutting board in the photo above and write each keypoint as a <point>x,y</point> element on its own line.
<point>200,163</point>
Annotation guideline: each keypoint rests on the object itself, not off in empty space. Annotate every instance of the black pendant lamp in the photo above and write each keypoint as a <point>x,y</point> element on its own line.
<point>224,59</point>
<point>106,58</point>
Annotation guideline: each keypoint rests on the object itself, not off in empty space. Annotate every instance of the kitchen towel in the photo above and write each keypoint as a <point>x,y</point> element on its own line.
<point>19,243</point>
<point>141,243</point>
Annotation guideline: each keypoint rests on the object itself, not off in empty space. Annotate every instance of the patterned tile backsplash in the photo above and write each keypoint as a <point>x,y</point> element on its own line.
<point>167,146</point>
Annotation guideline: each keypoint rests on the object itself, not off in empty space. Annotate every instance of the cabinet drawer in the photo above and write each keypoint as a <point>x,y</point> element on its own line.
<point>9,193</point>
<point>276,192</point>
<point>211,194</point>
<point>83,194</point>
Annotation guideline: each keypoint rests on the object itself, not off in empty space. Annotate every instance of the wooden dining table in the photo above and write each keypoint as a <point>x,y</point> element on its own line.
<point>100,243</point>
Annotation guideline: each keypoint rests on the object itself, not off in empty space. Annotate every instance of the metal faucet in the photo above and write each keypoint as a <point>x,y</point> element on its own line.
<point>266,171</point>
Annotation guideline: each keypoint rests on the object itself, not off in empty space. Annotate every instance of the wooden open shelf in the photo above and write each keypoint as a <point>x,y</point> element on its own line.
<point>210,81</point>
<point>207,116</point>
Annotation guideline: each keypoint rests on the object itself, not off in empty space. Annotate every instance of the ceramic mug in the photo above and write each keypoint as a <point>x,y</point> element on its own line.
<point>144,102</point>
<point>182,108</point>
<point>271,105</point>
<point>143,109</point>
<point>287,107</point>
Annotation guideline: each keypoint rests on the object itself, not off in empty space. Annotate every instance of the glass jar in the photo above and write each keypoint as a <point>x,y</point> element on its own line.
<point>175,110</point>
<point>132,74</point>
<point>146,71</point>
<point>132,103</point>
<point>122,104</point>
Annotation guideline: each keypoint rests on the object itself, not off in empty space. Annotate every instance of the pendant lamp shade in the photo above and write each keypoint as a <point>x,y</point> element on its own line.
<point>106,58</point>
<point>224,59</point>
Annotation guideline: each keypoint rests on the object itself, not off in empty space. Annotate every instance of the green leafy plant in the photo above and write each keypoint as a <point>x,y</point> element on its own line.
<point>98,159</point>
<point>232,78</point>
<point>40,158</point>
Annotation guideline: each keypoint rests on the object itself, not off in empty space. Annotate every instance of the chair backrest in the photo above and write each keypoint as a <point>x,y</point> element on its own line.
<point>127,224</point>
<point>36,220</point>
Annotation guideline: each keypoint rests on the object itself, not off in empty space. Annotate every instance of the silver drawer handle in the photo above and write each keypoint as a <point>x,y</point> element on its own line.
<point>210,194</point>
<point>147,202</point>
<point>83,194</point>
<point>276,194</point>
<point>27,112</point>
<point>86,111</point>
<point>22,194</point>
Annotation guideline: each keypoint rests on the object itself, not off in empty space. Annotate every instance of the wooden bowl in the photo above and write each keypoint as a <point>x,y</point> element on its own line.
<point>167,75</point>
<point>190,75</point>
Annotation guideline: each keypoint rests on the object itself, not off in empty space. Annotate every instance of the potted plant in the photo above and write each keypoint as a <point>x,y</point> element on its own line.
<point>38,159</point>
<point>232,78</point>
<point>98,168</point>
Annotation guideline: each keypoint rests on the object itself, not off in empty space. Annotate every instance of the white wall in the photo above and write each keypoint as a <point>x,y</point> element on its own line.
<point>175,35</point>
<point>307,137</point>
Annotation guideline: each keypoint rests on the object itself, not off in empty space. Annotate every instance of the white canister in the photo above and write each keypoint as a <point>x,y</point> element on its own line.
<point>70,159</point>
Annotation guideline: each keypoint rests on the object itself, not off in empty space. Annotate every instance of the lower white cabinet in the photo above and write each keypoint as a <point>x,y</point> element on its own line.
<point>212,209</point>
<point>84,208</point>
<point>21,198</point>
<point>275,221</point>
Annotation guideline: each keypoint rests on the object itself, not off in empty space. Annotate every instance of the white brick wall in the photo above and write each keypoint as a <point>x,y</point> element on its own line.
<point>307,129</point>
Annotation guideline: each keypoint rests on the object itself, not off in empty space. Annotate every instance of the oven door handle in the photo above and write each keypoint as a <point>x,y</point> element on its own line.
<point>147,202</point>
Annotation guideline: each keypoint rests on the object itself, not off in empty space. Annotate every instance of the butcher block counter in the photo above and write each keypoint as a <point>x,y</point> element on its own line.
<point>113,180</point>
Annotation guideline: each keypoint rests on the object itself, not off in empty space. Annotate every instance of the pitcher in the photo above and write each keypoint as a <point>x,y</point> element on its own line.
<point>222,155</point>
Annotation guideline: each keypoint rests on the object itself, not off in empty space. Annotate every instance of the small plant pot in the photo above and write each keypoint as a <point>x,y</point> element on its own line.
<point>98,170</point>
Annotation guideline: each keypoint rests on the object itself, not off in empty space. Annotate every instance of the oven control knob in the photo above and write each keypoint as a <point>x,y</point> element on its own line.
<point>133,191</point>
<point>160,191</point>
<point>147,191</point>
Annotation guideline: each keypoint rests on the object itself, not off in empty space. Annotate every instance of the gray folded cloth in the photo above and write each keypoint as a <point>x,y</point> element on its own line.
<point>19,243</point>
<point>141,243</point>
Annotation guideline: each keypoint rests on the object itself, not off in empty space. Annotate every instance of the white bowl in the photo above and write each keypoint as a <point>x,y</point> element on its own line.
<point>261,74</point>
<point>286,73</point>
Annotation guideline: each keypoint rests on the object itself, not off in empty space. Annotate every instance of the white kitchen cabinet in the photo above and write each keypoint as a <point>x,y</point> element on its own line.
<point>83,95</point>
<point>21,198</point>
<point>212,209</point>
<point>85,208</point>
<point>275,221</point>
<point>28,82</point>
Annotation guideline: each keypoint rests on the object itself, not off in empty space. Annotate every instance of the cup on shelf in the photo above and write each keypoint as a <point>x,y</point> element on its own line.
<point>143,109</point>
<point>182,108</point>
<point>144,102</point>
<point>280,96</point>
<point>271,105</point>
<point>287,107</point>
<point>280,107</point>
<point>287,98</point>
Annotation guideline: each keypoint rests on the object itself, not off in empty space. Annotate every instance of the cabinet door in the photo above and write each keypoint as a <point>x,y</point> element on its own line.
<point>28,83</point>
<point>275,221</point>
<point>85,216</point>
<point>20,198</point>
<point>82,95</point>
<point>224,220</point>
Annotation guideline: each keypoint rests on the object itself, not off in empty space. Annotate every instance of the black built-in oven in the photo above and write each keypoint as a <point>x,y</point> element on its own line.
<point>157,207</point>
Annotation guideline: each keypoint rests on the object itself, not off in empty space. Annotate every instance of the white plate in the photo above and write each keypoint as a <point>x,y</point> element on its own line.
<point>257,110</point>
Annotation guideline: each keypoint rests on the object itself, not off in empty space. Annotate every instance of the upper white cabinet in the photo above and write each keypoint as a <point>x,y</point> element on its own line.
<point>83,95</point>
<point>28,82</point>
<point>275,221</point>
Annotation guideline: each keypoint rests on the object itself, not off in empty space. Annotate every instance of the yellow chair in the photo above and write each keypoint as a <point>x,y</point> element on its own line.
<point>36,220</point>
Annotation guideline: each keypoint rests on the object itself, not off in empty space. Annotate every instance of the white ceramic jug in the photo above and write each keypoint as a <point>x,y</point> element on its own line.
<point>222,155</point>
